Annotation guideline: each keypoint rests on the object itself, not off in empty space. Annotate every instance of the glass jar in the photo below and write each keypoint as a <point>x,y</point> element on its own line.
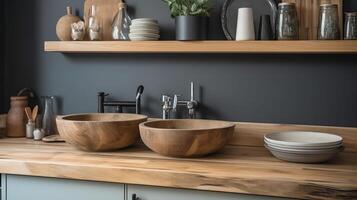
<point>287,25</point>
<point>329,27</point>
<point>94,25</point>
<point>350,26</point>
<point>49,117</point>
<point>121,24</point>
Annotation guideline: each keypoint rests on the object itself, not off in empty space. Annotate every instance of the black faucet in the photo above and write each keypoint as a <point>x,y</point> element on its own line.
<point>102,103</point>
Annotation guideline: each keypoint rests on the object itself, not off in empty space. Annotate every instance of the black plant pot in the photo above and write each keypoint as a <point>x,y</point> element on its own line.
<point>191,28</point>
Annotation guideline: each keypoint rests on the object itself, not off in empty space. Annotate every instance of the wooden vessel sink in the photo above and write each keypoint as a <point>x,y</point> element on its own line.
<point>100,132</point>
<point>186,138</point>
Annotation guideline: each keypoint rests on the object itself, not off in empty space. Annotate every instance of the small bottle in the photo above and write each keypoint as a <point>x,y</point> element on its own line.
<point>38,134</point>
<point>94,25</point>
<point>121,24</point>
<point>30,128</point>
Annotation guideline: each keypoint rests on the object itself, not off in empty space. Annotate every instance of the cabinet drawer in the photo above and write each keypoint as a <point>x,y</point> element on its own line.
<point>36,188</point>
<point>157,193</point>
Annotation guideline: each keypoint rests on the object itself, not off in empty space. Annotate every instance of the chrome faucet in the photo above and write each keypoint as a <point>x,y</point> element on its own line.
<point>171,104</point>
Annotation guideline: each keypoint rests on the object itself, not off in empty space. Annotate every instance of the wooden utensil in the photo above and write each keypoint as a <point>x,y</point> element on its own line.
<point>34,113</point>
<point>107,9</point>
<point>28,113</point>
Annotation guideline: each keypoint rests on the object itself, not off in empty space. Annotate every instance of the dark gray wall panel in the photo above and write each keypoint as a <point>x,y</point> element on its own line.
<point>304,89</point>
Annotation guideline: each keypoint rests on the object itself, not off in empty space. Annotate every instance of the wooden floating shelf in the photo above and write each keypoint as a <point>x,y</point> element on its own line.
<point>253,47</point>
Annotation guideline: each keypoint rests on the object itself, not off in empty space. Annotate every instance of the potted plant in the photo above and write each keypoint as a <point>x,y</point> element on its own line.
<point>191,18</point>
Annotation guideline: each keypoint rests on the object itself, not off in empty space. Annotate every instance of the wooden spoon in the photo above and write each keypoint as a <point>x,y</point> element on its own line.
<point>34,113</point>
<point>28,113</point>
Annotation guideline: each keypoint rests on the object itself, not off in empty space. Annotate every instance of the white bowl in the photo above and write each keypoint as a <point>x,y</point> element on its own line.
<point>147,35</point>
<point>150,27</point>
<point>141,30</point>
<point>143,39</point>
<point>303,139</point>
<point>304,158</point>
<point>304,151</point>
<point>150,20</point>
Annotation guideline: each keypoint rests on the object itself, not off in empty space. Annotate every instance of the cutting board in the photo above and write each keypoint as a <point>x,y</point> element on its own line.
<point>308,13</point>
<point>107,9</point>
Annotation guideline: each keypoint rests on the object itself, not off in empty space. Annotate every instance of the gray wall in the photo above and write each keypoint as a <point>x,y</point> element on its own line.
<point>303,89</point>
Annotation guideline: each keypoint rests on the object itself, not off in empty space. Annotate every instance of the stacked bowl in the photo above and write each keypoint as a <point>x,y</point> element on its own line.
<point>304,147</point>
<point>144,29</point>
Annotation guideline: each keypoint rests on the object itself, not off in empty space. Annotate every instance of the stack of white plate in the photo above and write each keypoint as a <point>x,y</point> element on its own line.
<point>144,29</point>
<point>304,147</point>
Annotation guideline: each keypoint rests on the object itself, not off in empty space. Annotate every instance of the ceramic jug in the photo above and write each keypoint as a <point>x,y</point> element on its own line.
<point>16,117</point>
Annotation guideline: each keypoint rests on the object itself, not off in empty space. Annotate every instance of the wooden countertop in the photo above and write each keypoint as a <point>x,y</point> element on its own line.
<point>248,169</point>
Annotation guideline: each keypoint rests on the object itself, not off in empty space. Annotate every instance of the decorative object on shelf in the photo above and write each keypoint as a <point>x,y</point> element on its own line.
<point>260,7</point>
<point>308,15</point>
<point>78,31</point>
<point>304,147</point>
<point>94,25</point>
<point>16,118</point>
<point>265,32</point>
<point>287,25</point>
<point>49,117</point>
<point>63,27</point>
<point>329,27</point>
<point>121,24</point>
<point>245,25</point>
<point>350,26</point>
<point>107,11</point>
<point>144,29</point>
<point>191,18</point>
<point>38,134</point>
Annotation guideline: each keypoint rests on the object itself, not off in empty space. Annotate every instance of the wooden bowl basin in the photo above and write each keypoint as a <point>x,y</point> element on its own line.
<point>100,132</point>
<point>186,138</point>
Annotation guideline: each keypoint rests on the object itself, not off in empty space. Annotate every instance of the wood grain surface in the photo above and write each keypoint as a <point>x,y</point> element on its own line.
<point>186,138</point>
<point>261,47</point>
<point>235,169</point>
<point>107,9</point>
<point>100,132</point>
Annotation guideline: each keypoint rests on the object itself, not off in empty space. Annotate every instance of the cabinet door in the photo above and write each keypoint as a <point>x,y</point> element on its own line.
<point>36,188</point>
<point>156,193</point>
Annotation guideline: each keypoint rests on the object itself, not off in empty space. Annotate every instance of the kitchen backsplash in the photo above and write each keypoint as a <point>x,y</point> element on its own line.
<point>303,89</point>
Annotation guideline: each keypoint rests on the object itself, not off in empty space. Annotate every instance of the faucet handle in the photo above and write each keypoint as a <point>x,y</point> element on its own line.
<point>175,102</point>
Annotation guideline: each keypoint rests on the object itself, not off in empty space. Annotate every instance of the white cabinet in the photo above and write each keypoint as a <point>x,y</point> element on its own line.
<point>37,188</point>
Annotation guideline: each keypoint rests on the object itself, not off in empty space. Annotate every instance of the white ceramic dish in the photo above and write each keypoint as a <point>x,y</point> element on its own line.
<point>304,151</point>
<point>142,39</point>
<point>303,139</point>
<point>303,158</point>
<point>303,147</point>
<point>140,30</point>
<point>147,35</point>
<point>150,20</point>
<point>144,27</point>
<point>144,24</point>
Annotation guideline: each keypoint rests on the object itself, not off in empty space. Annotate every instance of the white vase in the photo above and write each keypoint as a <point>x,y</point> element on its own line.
<point>245,25</point>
